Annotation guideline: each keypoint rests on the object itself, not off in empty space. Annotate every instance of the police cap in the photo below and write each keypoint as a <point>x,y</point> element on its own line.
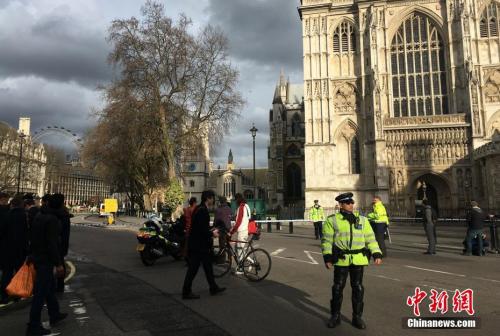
<point>344,198</point>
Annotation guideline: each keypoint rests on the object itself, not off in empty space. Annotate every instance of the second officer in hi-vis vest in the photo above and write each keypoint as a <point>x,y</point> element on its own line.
<point>347,243</point>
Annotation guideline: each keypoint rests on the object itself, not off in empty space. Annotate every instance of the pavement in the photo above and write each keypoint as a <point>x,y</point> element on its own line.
<point>123,297</point>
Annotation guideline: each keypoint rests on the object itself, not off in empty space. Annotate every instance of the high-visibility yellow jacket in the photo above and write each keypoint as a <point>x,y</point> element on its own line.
<point>338,232</point>
<point>316,214</point>
<point>379,213</point>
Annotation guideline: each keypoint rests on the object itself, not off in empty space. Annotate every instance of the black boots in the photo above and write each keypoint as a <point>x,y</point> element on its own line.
<point>340,277</point>
<point>335,305</point>
<point>358,322</point>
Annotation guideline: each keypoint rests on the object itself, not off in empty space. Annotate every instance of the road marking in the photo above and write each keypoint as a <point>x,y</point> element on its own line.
<point>316,252</point>
<point>72,271</point>
<point>308,254</point>
<point>385,277</point>
<point>434,287</point>
<point>278,251</point>
<point>435,271</point>
<point>293,259</point>
<point>439,245</point>
<point>484,279</point>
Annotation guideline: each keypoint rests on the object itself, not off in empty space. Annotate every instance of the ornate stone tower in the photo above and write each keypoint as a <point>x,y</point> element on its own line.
<point>397,97</point>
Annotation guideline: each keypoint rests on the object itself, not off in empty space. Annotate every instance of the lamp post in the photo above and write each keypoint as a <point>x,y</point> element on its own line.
<point>254,130</point>
<point>21,140</point>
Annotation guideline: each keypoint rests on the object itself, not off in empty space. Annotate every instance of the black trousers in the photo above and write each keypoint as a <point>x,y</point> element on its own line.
<point>60,280</point>
<point>379,231</point>
<point>340,274</point>
<point>195,259</point>
<point>44,291</point>
<point>318,230</point>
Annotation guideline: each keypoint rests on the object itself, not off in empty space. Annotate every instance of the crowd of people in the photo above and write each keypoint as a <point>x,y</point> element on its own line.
<point>35,231</point>
<point>200,235</point>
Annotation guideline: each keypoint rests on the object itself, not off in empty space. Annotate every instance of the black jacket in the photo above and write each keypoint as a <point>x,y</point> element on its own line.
<point>45,238</point>
<point>200,237</point>
<point>14,246</point>
<point>476,218</point>
<point>64,218</point>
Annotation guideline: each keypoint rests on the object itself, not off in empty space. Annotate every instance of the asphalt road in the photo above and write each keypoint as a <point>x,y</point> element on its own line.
<point>294,299</point>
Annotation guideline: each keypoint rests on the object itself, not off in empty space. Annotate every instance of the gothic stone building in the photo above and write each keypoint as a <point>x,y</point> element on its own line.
<point>399,96</point>
<point>286,146</point>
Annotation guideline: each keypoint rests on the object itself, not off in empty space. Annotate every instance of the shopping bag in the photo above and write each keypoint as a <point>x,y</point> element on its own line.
<point>22,283</point>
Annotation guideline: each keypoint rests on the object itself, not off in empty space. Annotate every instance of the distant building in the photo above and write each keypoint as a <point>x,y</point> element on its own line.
<point>286,147</point>
<point>33,163</point>
<point>199,175</point>
<point>79,185</point>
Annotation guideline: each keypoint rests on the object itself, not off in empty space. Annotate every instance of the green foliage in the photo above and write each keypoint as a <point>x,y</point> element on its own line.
<point>174,196</point>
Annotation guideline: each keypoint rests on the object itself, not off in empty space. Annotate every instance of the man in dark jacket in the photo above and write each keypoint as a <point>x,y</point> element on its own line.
<point>64,219</point>
<point>199,247</point>
<point>15,243</point>
<point>45,234</point>
<point>30,204</point>
<point>475,223</point>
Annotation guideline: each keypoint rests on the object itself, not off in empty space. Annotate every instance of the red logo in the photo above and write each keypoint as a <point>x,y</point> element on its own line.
<point>415,300</point>
<point>463,301</point>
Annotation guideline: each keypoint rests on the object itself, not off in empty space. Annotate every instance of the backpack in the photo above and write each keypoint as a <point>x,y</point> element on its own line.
<point>253,228</point>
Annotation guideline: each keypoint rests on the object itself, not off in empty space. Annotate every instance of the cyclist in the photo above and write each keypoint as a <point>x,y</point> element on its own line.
<point>243,214</point>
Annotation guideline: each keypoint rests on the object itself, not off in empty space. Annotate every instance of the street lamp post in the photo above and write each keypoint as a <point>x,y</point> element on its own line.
<point>254,130</point>
<point>19,168</point>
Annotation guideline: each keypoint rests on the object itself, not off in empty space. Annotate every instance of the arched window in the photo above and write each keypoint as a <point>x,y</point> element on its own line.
<point>293,150</point>
<point>229,187</point>
<point>418,69</point>
<point>354,156</point>
<point>344,38</point>
<point>294,181</point>
<point>296,125</point>
<point>248,194</point>
<point>488,25</point>
<point>191,183</point>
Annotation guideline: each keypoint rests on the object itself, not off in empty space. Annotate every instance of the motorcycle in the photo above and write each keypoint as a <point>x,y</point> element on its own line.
<point>156,240</point>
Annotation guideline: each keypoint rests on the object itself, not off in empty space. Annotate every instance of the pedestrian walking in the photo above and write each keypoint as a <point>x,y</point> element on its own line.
<point>64,218</point>
<point>475,225</point>
<point>243,215</point>
<point>199,247</point>
<point>348,241</point>
<point>45,254</point>
<point>222,220</point>
<point>14,243</point>
<point>379,222</point>
<point>188,214</point>
<point>429,227</point>
<point>317,215</point>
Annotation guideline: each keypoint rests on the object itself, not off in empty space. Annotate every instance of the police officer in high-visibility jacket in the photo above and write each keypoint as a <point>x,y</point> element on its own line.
<point>347,243</point>
<point>379,222</point>
<point>317,215</point>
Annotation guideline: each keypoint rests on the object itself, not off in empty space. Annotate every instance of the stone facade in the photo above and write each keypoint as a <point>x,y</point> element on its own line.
<point>199,175</point>
<point>286,145</point>
<point>34,160</point>
<point>398,95</point>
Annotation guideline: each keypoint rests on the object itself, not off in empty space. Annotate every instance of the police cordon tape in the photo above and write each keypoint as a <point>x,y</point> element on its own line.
<point>493,226</point>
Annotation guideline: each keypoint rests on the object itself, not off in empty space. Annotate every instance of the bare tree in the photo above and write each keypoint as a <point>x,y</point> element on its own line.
<point>187,80</point>
<point>175,90</point>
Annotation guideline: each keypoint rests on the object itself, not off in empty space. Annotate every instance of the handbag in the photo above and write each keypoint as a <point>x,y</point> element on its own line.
<point>22,283</point>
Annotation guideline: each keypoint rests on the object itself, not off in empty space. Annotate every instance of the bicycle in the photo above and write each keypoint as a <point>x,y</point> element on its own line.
<point>256,263</point>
